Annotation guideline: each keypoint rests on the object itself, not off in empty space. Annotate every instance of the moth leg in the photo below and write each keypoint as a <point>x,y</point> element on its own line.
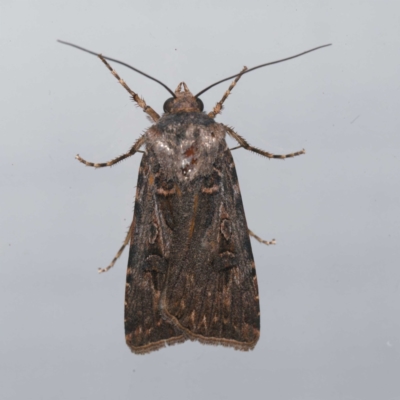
<point>218,107</point>
<point>235,148</point>
<point>134,149</point>
<point>243,143</point>
<point>273,241</point>
<point>141,103</point>
<point>120,251</point>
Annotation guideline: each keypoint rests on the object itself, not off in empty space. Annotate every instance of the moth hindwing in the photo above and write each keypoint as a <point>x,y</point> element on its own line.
<point>191,273</point>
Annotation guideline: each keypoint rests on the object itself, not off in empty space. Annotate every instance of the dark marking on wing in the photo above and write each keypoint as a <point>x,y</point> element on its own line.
<point>145,329</point>
<point>210,292</point>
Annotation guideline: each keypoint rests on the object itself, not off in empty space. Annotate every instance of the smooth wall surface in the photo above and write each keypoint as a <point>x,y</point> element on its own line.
<point>329,289</point>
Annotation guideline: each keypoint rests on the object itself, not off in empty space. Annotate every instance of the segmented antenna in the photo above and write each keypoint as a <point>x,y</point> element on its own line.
<point>260,66</point>
<point>119,62</point>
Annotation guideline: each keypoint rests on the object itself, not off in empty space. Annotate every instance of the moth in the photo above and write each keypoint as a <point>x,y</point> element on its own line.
<point>191,272</point>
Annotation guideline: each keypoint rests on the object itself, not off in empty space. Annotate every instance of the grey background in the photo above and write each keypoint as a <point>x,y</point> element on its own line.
<point>330,288</point>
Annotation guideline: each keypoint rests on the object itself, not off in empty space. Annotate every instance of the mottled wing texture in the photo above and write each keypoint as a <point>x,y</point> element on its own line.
<point>191,273</point>
<point>211,291</point>
<point>145,329</point>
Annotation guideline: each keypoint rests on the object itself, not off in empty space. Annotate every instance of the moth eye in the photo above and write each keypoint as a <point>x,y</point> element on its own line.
<point>168,105</point>
<point>200,104</point>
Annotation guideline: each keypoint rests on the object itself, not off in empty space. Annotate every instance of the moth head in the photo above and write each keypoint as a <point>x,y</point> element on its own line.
<point>184,101</point>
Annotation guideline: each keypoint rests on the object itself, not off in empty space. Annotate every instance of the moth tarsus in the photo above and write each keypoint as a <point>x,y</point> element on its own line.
<point>268,243</point>
<point>119,253</point>
<point>191,273</point>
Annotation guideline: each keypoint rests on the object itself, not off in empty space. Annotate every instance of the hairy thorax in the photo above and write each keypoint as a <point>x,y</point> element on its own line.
<point>186,145</point>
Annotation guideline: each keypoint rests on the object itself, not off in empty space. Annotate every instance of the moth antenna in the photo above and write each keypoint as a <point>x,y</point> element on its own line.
<point>120,62</point>
<point>260,66</point>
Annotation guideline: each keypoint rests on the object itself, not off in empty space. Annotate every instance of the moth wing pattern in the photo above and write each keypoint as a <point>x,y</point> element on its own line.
<point>211,291</point>
<point>191,273</point>
<point>145,329</point>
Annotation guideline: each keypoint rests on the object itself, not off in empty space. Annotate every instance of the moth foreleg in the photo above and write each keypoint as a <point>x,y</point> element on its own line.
<point>134,149</point>
<point>135,97</point>
<point>273,241</point>
<point>218,107</point>
<point>120,251</point>
<point>243,143</point>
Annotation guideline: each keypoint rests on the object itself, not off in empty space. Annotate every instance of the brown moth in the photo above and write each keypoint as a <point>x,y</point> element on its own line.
<point>191,273</point>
